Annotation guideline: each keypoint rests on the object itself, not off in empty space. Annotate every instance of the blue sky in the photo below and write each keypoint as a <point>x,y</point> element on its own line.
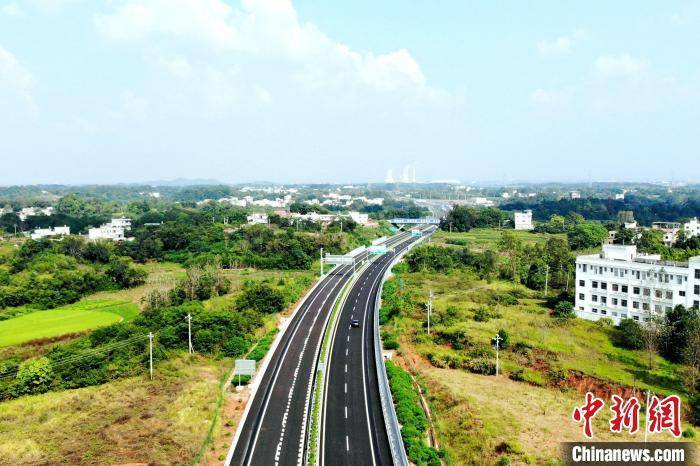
<point>133,90</point>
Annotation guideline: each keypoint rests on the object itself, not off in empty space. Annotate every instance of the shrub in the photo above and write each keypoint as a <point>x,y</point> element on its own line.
<point>482,315</point>
<point>481,366</point>
<point>235,346</point>
<point>629,335</point>
<point>260,297</point>
<point>564,310</point>
<point>34,376</point>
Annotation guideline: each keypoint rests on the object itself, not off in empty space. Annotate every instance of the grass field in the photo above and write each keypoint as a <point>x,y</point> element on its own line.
<point>485,238</point>
<point>134,420</point>
<point>73,318</point>
<point>479,417</point>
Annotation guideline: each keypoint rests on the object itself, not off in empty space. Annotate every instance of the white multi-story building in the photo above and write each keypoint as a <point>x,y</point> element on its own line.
<point>114,230</point>
<point>619,283</point>
<point>46,232</point>
<point>257,219</point>
<point>523,220</point>
<point>669,229</point>
<point>691,228</point>
<point>575,195</point>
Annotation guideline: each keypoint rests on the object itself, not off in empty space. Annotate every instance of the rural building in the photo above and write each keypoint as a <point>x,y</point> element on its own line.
<point>113,231</point>
<point>669,229</point>
<point>523,220</point>
<point>619,283</point>
<point>691,228</point>
<point>46,232</point>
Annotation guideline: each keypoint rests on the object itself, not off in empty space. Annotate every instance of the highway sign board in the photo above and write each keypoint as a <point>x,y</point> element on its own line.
<point>415,221</point>
<point>416,233</point>
<point>377,249</point>
<point>244,367</point>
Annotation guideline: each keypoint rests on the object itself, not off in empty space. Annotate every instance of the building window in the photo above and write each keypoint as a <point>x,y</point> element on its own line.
<point>614,301</point>
<point>647,292</point>
<point>594,284</point>
<point>624,303</point>
<point>614,314</point>
<point>697,274</point>
<point>657,307</point>
<point>696,289</point>
<point>679,280</point>
<point>581,296</point>
<point>594,298</point>
<point>624,316</point>
<point>657,293</point>
<point>696,304</point>
<point>595,311</point>
<point>681,293</point>
<point>635,290</point>
<point>603,311</point>
<point>645,306</point>
<point>635,317</point>
<point>668,308</point>
<point>669,295</point>
<point>603,299</point>
<point>582,283</point>
<point>615,287</point>
<point>584,267</point>
<point>635,304</point>
<point>603,285</point>
<point>625,289</point>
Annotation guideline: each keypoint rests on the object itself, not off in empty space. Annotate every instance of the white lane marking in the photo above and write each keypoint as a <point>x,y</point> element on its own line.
<point>346,387</point>
<point>333,288</point>
<point>348,338</point>
<point>346,351</point>
<point>347,443</point>
<point>346,368</point>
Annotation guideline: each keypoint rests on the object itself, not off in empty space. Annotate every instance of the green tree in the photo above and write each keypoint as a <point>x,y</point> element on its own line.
<point>260,297</point>
<point>34,376</point>
<point>564,310</point>
<point>651,242</point>
<point>586,235</point>
<point>630,335</point>
<point>679,325</point>
<point>512,248</point>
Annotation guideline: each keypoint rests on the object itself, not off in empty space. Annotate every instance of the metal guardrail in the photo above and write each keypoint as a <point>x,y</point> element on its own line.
<point>398,450</point>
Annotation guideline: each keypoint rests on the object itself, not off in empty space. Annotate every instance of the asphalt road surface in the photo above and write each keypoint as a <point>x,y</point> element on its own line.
<point>353,431</point>
<point>273,433</point>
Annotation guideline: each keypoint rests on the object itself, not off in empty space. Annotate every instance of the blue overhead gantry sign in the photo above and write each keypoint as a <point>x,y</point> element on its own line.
<point>415,221</point>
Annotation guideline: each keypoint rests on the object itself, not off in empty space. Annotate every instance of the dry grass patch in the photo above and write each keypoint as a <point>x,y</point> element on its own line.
<point>132,420</point>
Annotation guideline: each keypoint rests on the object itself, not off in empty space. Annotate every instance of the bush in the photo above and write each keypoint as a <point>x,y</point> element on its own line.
<point>481,366</point>
<point>629,335</point>
<point>260,297</point>
<point>564,310</point>
<point>482,315</point>
<point>34,376</point>
<point>263,345</point>
<point>235,346</point>
<point>504,342</point>
<point>694,403</point>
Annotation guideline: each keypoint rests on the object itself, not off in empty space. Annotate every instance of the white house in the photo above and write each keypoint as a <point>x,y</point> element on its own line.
<point>523,220</point>
<point>575,195</point>
<point>362,219</point>
<point>619,283</point>
<point>670,231</point>
<point>114,230</point>
<point>34,211</point>
<point>691,228</point>
<point>46,232</point>
<point>257,219</point>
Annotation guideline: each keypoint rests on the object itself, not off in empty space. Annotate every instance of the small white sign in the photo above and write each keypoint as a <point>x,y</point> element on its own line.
<point>244,367</point>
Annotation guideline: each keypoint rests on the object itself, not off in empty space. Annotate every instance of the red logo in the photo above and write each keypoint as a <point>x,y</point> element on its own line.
<point>587,412</point>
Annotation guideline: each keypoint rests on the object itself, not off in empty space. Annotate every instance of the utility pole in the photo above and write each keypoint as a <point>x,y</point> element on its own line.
<point>190,349</point>
<point>430,308</point>
<point>498,340</point>
<point>546,279</point>
<point>321,262</point>
<point>150,353</point>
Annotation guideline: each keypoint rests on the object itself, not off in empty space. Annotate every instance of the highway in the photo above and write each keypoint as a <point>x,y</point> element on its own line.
<point>353,431</point>
<point>274,429</point>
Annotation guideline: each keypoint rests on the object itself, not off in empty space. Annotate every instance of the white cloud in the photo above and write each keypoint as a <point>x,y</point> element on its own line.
<point>561,45</point>
<point>261,35</point>
<point>620,66</point>
<point>543,99</point>
<point>132,107</point>
<point>12,9</point>
<point>15,80</point>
